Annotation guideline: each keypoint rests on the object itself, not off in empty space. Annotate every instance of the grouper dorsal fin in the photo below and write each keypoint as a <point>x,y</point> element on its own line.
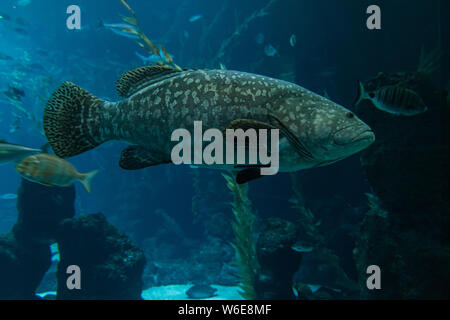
<point>134,80</point>
<point>137,157</point>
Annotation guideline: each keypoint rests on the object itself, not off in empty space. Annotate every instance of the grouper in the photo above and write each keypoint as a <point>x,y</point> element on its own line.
<point>313,131</point>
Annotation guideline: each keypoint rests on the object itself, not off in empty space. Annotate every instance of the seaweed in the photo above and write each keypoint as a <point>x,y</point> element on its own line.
<point>242,27</point>
<point>244,245</point>
<point>321,257</point>
<point>145,43</point>
<point>429,62</point>
<point>306,218</point>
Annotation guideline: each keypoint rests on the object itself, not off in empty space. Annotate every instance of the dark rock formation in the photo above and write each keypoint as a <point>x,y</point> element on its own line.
<point>278,261</point>
<point>41,209</point>
<point>111,266</point>
<point>22,266</point>
<point>24,252</point>
<point>406,232</point>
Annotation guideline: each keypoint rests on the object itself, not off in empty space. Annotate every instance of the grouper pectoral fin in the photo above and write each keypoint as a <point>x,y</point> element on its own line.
<point>137,157</point>
<point>293,139</point>
<point>134,80</point>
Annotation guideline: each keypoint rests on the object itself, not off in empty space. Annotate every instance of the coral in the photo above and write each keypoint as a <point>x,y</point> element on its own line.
<point>111,266</point>
<point>244,245</point>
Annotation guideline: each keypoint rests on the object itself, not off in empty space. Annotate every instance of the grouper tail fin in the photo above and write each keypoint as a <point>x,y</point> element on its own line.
<point>67,115</point>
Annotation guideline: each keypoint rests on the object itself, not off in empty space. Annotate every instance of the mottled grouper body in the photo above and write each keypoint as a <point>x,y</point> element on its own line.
<point>314,131</point>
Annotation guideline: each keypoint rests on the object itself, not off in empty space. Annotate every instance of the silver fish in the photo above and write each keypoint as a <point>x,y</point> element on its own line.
<point>8,196</point>
<point>16,153</point>
<point>314,131</point>
<point>195,18</point>
<point>394,100</point>
<point>122,29</point>
<point>293,40</point>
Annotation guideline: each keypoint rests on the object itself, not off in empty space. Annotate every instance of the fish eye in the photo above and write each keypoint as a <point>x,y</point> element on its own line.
<point>350,115</point>
<point>372,95</point>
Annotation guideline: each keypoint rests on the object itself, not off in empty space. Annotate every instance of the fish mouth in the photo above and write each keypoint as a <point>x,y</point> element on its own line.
<point>352,135</point>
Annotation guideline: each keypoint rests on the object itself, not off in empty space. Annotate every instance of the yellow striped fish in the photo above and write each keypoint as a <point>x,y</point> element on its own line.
<point>393,99</point>
<point>52,171</point>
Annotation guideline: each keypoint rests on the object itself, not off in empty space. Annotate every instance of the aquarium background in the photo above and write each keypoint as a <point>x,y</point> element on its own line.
<point>179,216</point>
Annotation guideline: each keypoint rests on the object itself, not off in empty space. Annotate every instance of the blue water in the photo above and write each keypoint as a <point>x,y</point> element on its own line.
<point>334,50</point>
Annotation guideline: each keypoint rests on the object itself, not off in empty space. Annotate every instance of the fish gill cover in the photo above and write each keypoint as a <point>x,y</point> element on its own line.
<point>135,71</point>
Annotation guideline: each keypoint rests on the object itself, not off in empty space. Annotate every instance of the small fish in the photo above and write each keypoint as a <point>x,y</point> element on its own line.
<point>13,93</point>
<point>222,66</point>
<point>122,29</point>
<point>186,34</point>
<point>16,91</point>
<point>259,39</point>
<point>8,196</point>
<point>149,60</point>
<point>16,153</point>
<point>394,100</point>
<point>49,170</point>
<point>21,31</point>
<point>195,18</point>
<point>270,50</point>
<point>302,247</point>
<point>4,16</point>
<point>5,57</point>
<point>293,40</point>
<point>201,291</point>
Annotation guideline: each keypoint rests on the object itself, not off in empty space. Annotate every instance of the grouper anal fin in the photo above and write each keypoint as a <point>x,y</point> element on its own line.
<point>134,80</point>
<point>137,157</point>
<point>248,175</point>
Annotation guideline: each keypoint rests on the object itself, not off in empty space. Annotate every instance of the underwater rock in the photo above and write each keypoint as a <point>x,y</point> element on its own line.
<point>278,261</point>
<point>405,232</point>
<point>41,209</point>
<point>111,266</point>
<point>22,266</point>
<point>323,275</point>
<point>201,291</point>
<point>24,252</point>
